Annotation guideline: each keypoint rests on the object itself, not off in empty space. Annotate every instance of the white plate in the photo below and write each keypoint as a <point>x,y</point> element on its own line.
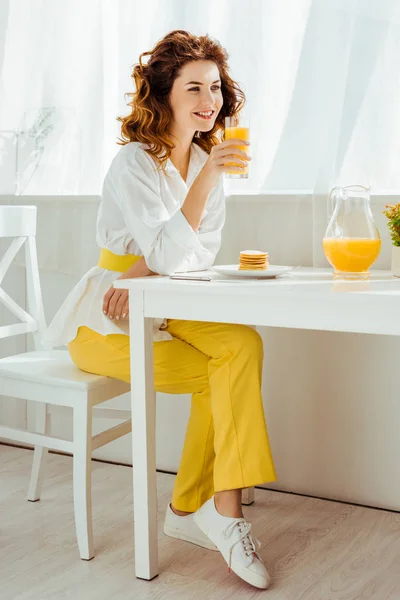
<point>270,273</point>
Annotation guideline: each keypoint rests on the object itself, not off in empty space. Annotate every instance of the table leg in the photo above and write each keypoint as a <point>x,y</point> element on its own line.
<point>248,496</point>
<point>143,402</point>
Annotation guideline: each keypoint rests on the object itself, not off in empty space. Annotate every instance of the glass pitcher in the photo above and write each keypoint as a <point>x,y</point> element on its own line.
<point>352,242</point>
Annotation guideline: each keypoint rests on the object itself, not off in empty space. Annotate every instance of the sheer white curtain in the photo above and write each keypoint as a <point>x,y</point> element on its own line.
<point>343,110</point>
<point>321,79</point>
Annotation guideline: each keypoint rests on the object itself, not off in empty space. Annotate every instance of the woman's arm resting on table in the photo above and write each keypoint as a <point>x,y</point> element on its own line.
<point>187,241</point>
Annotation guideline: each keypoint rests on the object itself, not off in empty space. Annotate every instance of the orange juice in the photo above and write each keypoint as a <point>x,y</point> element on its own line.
<point>238,133</point>
<point>352,255</point>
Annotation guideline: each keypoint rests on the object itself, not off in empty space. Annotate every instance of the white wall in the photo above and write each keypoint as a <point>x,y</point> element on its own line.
<point>331,399</point>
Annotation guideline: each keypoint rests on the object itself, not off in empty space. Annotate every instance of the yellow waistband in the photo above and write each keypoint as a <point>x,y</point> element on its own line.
<point>116,262</point>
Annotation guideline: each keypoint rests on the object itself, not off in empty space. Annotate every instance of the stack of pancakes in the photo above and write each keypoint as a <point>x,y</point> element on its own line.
<point>253,260</point>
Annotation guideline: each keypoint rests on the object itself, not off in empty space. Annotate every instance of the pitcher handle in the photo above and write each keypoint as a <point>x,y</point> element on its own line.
<point>332,201</point>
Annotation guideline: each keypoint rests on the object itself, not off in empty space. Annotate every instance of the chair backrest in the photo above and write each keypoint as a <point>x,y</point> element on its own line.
<point>18,224</point>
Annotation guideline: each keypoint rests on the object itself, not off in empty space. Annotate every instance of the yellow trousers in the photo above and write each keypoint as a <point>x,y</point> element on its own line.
<point>226,444</point>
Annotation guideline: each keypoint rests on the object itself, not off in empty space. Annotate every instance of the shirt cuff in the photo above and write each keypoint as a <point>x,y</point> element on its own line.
<point>179,228</point>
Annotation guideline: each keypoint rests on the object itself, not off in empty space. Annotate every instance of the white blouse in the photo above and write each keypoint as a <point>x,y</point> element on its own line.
<point>140,214</point>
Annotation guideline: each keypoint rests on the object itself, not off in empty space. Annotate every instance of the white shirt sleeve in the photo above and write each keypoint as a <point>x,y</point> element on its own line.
<point>209,232</point>
<point>168,243</point>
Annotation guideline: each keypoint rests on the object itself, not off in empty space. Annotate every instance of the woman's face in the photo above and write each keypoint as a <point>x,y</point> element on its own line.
<point>196,97</point>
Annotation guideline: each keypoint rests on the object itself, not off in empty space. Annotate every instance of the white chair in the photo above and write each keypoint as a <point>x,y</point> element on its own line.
<point>49,377</point>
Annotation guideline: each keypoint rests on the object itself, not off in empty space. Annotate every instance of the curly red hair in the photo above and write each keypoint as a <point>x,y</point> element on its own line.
<point>151,113</point>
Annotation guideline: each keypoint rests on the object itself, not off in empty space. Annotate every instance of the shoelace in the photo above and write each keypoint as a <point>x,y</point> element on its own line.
<point>251,544</point>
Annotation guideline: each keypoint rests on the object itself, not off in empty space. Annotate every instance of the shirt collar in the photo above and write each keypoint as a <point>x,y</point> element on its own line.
<point>196,162</point>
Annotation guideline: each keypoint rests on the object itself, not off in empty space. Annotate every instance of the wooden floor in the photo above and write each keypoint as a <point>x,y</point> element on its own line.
<point>314,549</point>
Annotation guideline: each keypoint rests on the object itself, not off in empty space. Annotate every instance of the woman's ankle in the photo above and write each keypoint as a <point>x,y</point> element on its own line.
<point>180,513</point>
<point>229,503</point>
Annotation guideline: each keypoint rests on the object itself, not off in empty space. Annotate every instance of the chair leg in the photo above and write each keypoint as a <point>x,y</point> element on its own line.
<point>83,480</point>
<point>39,454</point>
<point>248,496</point>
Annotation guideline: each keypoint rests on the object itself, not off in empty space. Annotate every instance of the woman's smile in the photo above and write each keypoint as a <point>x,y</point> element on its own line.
<point>206,115</point>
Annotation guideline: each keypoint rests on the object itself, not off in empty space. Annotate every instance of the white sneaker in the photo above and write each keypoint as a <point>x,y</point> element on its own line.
<point>233,539</point>
<point>184,528</point>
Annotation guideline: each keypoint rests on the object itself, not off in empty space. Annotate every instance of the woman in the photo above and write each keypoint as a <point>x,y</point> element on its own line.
<point>162,211</point>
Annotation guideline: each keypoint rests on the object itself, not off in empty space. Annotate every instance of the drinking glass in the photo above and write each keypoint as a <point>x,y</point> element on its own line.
<point>237,128</point>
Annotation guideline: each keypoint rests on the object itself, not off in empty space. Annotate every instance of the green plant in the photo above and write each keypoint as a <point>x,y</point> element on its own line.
<point>392,212</point>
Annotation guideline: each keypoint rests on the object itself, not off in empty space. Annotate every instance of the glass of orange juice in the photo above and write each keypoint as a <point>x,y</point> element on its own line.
<point>238,128</point>
<point>352,242</point>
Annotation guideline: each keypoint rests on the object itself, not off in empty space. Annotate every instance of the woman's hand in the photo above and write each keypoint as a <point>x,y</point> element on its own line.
<point>116,301</point>
<point>221,155</point>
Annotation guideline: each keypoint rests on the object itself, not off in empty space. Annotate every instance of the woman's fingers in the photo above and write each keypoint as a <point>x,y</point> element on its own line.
<point>230,159</point>
<point>233,142</point>
<point>228,152</point>
<point>120,305</point>
<point>117,304</point>
<point>112,303</point>
<point>233,146</point>
<point>107,298</point>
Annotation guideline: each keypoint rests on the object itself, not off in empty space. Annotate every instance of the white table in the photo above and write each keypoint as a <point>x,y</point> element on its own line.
<point>309,298</point>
